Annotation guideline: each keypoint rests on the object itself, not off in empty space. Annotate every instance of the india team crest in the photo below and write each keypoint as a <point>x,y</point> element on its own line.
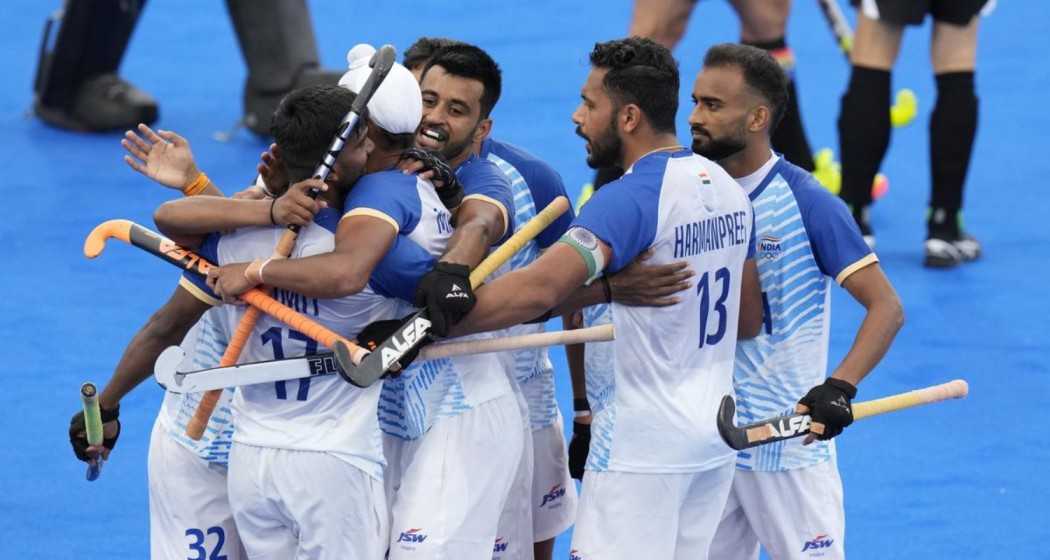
<point>769,248</point>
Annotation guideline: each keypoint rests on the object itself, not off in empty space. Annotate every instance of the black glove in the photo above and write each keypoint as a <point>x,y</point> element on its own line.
<point>78,433</point>
<point>377,332</point>
<point>830,404</point>
<point>579,445</point>
<point>446,294</point>
<point>444,179</point>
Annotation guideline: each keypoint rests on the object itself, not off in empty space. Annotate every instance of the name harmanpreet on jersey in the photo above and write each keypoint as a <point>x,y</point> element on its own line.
<point>805,238</point>
<point>534,185</point>
<point>204,345</point>
<point>323,414</point>
<point>426,391</point>
<point>672,365</point>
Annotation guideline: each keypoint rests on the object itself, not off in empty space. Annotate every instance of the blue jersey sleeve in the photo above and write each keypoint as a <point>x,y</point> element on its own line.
<point>195,284</point>
<point>546,185</point>
<point>623,214</point>
<point>399,272</point>
<point>751,246</point>
<point>391,196</point>
<point>482,179</point>
<point>837,243</point>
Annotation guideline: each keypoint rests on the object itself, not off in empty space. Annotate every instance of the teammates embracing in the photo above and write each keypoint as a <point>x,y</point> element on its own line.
<point>713,264</point>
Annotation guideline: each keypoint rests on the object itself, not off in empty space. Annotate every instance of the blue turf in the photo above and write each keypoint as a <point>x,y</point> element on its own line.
<point>959,480</point>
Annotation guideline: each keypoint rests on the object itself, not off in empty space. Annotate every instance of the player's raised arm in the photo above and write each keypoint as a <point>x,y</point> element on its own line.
<point>166,158</point>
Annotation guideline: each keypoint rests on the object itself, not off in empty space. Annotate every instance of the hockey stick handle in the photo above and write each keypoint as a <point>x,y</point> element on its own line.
<point>515,242</point>
<point>601,333</point>
<point>169,251</point>
<point>955,389</point>
<point>92,426</point>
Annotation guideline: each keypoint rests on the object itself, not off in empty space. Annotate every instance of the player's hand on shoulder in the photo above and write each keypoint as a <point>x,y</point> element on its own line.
<point>646,285</point>
<point>78,435</point>
<point>830,408</point>
<point>431,166</point>
<point>446,294</point>
<point>296,207</point>
<point>162,156</point>
<point>230,281</point>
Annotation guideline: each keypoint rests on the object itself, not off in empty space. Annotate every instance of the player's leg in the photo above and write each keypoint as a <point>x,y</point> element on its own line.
<point>704,502</point>
<point>627,516</point>
<point>266,530</point>
<point>763,24</point>
<point>797,514</point>
<point>734,539</point>
<point>554,497</point>
<point>953,126</point>
<point>339,511</point>
<point>76,84</point>
<point>455,482</point>
<point>864,117</point>
<point>190,515</point>
<point>662,21</point>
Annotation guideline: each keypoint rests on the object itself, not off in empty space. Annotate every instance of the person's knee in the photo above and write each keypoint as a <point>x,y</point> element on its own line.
<point>762,20</point>
<point>954,47</point>
<point>663,21</point>
<point>876,43</point>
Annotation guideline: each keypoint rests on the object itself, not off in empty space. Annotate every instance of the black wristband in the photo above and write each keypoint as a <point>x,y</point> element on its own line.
<point>272,203</point>
<point>579,405</point>
<point>844,386</point>
<point>607,288</point>
<point>109,414</point>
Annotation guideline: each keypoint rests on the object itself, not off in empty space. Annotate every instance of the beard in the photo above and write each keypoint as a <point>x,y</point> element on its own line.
<point>606,148</point>
<point>447,147</point>
<point>717,149</point>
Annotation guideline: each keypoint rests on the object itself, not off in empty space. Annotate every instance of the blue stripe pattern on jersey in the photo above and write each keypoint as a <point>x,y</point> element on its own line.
<point>214,446</point>
<point>776,368</point>
<point>601,389</point>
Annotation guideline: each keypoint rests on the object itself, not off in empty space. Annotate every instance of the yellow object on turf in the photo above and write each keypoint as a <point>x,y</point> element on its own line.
<point>904,109</point>
<point>828,173</point>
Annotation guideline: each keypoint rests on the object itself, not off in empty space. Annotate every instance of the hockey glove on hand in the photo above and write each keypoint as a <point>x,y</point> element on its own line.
<point>829,407</point>
<point>78,433</point>
<point>378,332</point>
<point>579,445</point>
<point>442,177</point>
<point>446,294</point>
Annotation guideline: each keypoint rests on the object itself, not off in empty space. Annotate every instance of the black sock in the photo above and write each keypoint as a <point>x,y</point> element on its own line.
<point>953,125</point>
<point>789,138</point>
<point>606,175</point>
<point>864,133</point>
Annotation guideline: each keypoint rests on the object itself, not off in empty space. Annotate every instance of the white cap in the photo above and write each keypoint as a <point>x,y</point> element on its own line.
<point>397,106</point>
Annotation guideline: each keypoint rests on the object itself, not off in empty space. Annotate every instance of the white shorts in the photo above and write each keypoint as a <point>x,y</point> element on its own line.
<point>634,516</point>
<point>514,534</point>
<point>794,514</point>
<point>189,515</point>
<point>449,487</point>
<point>305,504</point>
<point>553,491</point>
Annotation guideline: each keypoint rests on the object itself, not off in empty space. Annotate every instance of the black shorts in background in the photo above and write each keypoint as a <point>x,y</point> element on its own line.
<point>913,12</point>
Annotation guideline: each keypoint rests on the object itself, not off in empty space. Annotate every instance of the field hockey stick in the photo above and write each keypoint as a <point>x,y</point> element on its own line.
<point>382,62</point>
<point>799,424</point>
<point>414,330</point>
<point>167,250</point>
<point>92,427</point>
<point>905,103</point>
<point>166,371</point>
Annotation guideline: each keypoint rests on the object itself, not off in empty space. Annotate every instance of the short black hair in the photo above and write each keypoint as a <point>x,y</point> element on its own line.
<point>468,61</point>
<point>761,71</point>
<point>641,72</point>
<point>305,123</point>
<point>423,50</point>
